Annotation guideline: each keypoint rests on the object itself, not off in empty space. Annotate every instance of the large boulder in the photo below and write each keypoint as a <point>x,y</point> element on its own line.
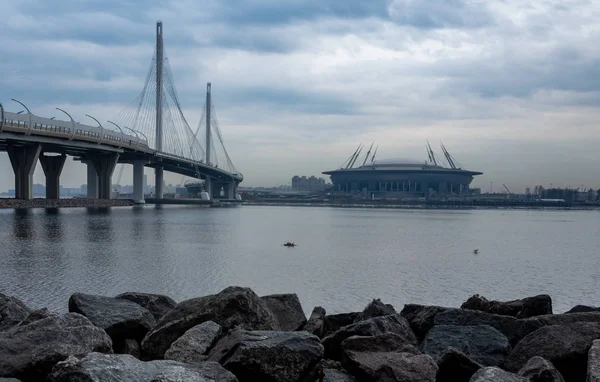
<point>495,374</point>
<point>593,366</point>
<point>566,346</point>
<point>268,355</point>
<point>371,327</point>
<point>193,345</point>
<point>561,319</point>
<point>96,367</point>
<point>386,357</point>
<point>316,322</point>
<point>38,314</point>
<point>513,328</point>
<point>121,319</point>
<point>482,343</point>
<point>29,352</point>
<point>524,308</point>
<point>12,311</point>
<point>333,375</point>
<point>334,322</point>
<point>421,317</point>
<point>455,366</point>
<point>583,309</point>
<point>538,369</point>
<point>157,304</point>
<point>287,310</point>
<point>232,307</point>
<point>376,308</point>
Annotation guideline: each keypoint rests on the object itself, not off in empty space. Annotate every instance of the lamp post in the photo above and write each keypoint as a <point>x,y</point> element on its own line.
<point>145,137</point>
<point>72,122</point>
<point>28,113</point>
<point>121,130</point>
<point>133,131</point>
<point>99,124</point>
<point>1,117</point>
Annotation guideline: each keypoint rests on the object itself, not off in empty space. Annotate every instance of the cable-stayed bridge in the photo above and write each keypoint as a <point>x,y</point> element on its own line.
<point>152,131</point>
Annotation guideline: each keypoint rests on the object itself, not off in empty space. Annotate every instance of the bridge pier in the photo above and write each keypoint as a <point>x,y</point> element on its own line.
<point>158,185</point>
<point>23,161</point>
<point>104,166</point>
<point>216,190</point>
<point>52,166</point>
<point>92,181</point>
<point>138,181</point>
<point>208,187</point>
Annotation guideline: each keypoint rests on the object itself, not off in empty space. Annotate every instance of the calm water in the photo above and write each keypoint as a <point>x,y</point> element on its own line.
<point>345,257</point>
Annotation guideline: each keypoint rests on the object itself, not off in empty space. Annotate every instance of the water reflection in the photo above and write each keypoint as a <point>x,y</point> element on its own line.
<point>22,225</point>
<point>52,225</point>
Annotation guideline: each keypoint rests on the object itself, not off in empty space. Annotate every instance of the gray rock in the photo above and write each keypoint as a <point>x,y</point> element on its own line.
<point>38,314</point>
<point>131,347</point>
<point>333,375</point>
<point>9,380</point>
<point>121,319</point>
<point>371,327</point>
<point>593,366</point>
<point>386,357</point>
<point>268,355</point>
<point>513,328</point>
<point>523,308</point>
<point>157,304</point>
<point>287,310</point>
<point>334,322</point>
<point>232,307</point>
<point>455,366</point>
<point>494,374</point>
<point>583,309</point>
<point>561,319</point>
<point>316,322</point>
<point>29,352</point>
<point>192,346</point>
<point>421,317</point>
<point>538,369</point>
<point>566,346</point>
<point>482,343</point>
<point>12,312</point>
<point>376,308</point>
<point>96,367</point>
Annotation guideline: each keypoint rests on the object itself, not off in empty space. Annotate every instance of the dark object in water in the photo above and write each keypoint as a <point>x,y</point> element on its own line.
<point>289,244</point>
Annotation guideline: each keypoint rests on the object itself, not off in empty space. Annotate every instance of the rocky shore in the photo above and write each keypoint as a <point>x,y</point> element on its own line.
<point>235,335</point>
<point>63,203</point>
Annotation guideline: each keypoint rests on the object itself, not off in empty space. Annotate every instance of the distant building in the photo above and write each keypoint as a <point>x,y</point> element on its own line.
<point>303,183</point>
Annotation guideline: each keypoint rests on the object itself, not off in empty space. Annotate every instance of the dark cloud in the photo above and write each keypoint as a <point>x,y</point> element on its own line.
<point>432,14</point>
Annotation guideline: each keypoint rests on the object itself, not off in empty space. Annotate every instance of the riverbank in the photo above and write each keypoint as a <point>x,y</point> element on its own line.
<point>62,203</point>
<point>236,335</point>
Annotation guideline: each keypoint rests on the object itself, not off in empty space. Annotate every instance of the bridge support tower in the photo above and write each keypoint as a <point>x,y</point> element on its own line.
<point>23,161</point>
<point>52,166</point>
<point>138,181</point>
<point>92,180</point>
<point>103,166</point>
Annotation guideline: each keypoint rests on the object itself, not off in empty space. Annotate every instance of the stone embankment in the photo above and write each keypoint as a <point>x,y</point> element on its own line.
<point>236,335</point>
<point>63,203</point>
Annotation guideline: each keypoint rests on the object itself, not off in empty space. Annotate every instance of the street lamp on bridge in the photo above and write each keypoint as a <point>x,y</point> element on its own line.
<point>1,117</point>
<point>99,124</point>
<point>72,121</point>
<point>121,130</point>
<point>28,113</point>
<point>133,131</point>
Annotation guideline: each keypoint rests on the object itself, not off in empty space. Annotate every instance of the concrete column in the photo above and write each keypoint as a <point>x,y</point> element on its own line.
<point>92,181</point>
<point>23,161</point>
<point>158,185</point>
<point>230,190</point>
<point>138,181</point>
<point>208,187</point>
<point>105,166</point>
<point>216,190</point>
<point>52,166</point>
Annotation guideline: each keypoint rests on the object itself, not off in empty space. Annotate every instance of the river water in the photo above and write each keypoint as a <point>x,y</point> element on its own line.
<point>344,258</point>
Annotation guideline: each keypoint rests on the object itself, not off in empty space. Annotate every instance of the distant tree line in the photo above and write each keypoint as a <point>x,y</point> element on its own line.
<point>568,194</point>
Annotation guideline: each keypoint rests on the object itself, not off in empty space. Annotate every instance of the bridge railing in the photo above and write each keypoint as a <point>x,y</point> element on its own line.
<point>33,124</point>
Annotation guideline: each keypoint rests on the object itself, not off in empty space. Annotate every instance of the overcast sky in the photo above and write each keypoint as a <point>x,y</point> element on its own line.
<point>511,87</point>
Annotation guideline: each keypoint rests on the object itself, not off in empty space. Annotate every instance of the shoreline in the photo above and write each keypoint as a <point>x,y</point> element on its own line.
<point>9,203</point>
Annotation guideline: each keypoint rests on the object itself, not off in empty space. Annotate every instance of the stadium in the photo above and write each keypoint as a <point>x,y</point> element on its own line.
<point>401,178</point>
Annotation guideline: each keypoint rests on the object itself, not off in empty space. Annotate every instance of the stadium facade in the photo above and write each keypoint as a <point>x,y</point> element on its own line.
<point>400,178</point>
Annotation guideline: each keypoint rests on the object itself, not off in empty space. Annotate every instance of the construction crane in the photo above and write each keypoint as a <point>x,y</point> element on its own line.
<point>506,188</point>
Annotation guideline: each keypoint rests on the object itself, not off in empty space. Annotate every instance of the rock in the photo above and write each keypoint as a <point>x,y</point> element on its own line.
<point>494,374</point>
<point>482,343</point>
<point>332,375</point>
<point>561,319</point>
<point>192,346</point>
<point>29,352</point>
<point>455,366</point>
<point>96,367</point>
<point>335,322</point>
<point>131,347</point>
<point>268,355</point>
<point>371,327</point>
<point>566,346</point>
<point>514,329</point>
<point>583,309</point>
<point>121,319</point>
<point>9,380</point>
<point>386,357</point>
<point>538,369</point>
<point>593,366</point>
<point>157,304</point>
<point>12,312</point>
<point>232,307</point>
<point>316,323</point>
<point>421,317</point>
<point>287,310</point>
<point>38,314</point>
<point>376,308</point>
<point>524,308</point>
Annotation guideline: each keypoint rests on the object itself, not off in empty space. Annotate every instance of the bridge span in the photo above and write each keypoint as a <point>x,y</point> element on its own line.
<point>139,140</point>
